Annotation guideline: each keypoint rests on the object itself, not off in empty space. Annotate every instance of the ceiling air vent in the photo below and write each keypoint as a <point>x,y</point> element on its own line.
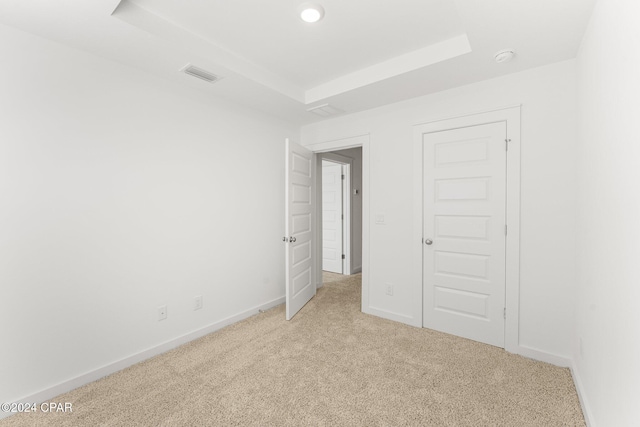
<point>200,73</point>
<point>325,110</point>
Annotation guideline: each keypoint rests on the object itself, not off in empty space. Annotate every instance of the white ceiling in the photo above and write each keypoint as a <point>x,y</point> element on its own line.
<point>354,34</point>
<point>363,54</point>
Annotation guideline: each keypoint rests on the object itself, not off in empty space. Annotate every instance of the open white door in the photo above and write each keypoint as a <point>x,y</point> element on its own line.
<point>332,217</point>
<point>299,212</point>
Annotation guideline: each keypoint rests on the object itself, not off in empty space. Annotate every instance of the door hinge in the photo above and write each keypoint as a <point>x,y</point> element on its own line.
<point>506,144</point>
<point>342,176</point>
<point>342,216</point>
<point>504,312</point>
<point>343,257</point>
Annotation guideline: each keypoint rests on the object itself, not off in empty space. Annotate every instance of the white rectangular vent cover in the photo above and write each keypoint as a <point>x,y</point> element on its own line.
<point>200,73</point>
<point>325,110</point>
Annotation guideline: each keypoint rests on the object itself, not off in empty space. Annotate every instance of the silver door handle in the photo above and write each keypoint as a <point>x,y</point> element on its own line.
<point>428,242</point>
<point>284,239</point>
<point>292,239</point>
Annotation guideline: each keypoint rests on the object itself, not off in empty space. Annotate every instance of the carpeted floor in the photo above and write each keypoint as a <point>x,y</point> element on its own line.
<point>330,366</point>
<point>329,276</point>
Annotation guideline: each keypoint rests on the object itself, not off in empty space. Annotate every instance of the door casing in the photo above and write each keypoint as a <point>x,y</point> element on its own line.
<point>335,145</point>
<point>511,116</point>
<point>347,164</point>
<point>335,265</point>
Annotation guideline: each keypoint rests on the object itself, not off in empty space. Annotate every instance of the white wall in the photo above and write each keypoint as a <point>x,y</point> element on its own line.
<point>356,206</point>
<point>608,245</point>
<point>118,194</point>
<point>547,96</point>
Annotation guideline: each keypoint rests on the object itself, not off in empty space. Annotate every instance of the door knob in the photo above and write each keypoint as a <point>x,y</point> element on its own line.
<point>293,239</point>
<point>428,242</point>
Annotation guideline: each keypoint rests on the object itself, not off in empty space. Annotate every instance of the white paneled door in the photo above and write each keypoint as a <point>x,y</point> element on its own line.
<point>299,213</point>
<point>332,217</point>
<point>464,232</point>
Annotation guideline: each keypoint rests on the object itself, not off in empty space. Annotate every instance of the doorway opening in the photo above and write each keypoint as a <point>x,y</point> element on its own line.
<point>341,212</point>
<point>303,218</point>
<point>335,227</point>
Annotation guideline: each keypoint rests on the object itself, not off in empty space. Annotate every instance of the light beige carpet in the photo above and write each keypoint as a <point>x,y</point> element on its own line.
<point>329,277</point>
<point>330,366</point>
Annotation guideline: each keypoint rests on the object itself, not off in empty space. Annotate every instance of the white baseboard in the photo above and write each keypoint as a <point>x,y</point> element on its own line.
<point>584,403</point>
<point>564,362</point>
<point>66,386</point>
<point>390,315</point>
<point>543,356</point>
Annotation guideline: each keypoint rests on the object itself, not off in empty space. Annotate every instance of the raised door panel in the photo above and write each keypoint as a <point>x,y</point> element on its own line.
<point>464,215</point>
<point>299,217</point>
<point>332,224</point>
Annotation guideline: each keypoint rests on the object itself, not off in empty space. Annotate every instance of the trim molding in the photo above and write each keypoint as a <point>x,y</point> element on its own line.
<point>79,381</point>
<point>390,315</point>
<point>563,362</point>
<point>347,200</point>
<point>582,395</point>
<point>542,356</point>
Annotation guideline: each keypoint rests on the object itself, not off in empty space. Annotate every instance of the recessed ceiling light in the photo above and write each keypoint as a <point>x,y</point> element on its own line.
<point>311,12</point>
<point>504,55</point>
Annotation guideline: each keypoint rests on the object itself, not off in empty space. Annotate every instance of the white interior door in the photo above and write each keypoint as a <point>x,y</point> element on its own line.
<point>464,230</point>
<point>299,211</point>
<point>332,217</point>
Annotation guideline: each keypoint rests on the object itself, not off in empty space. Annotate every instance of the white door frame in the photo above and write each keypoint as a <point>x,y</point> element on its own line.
<point>347,163</point>
<point>342,144</point>
<point>511,116</point>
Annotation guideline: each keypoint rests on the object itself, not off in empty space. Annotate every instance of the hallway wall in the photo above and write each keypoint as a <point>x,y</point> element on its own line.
<point>122,193</point>
<point>606,348</point>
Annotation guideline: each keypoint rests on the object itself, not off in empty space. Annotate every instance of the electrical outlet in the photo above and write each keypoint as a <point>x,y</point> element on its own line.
<point>389,289</point>
<point>197,302</point>
<point>162,312</point>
